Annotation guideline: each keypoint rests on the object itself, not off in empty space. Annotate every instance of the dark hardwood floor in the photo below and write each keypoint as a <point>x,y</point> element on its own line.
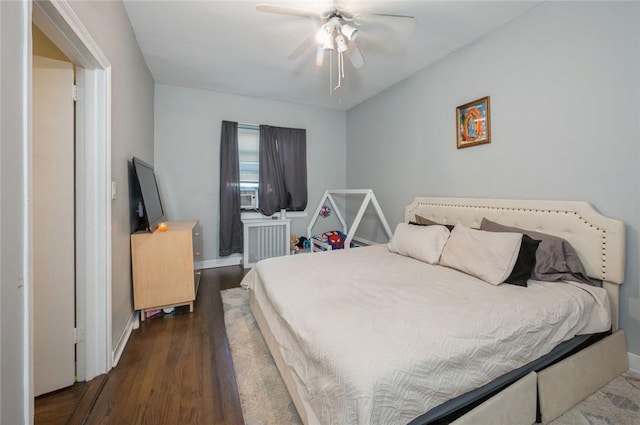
<point>176,369</point>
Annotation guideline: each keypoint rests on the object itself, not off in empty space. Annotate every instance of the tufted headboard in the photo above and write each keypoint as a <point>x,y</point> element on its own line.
<point>599,240</point>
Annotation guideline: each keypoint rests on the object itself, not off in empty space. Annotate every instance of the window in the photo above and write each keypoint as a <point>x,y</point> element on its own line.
<point>259,165</point>
<point>283,183</point>
<point>248,158</point>
<point>283,169</point>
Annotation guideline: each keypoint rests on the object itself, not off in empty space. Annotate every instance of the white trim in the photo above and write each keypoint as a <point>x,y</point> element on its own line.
<point>25,331</point>
<point>634,362</point>
<point>232,260</point>
<point>80,211</point>
<point>28,402</point>
<point>132,324</point>
<point>95,226</point>
<point>58,21</point>
<point>106,199</point>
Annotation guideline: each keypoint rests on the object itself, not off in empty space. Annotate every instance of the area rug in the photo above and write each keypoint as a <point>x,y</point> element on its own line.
<point>263,395</point>
<point>265,400</point>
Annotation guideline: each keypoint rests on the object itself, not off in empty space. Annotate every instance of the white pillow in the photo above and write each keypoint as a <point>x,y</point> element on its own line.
<point>423,243</point>
<point>489,256</point>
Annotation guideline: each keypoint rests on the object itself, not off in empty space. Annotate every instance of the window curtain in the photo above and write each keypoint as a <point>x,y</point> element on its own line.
<point>230,222</point>
<point>283,169</point>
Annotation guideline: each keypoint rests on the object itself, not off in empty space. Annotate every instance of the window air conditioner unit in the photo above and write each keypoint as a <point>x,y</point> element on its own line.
<point>249,199</point>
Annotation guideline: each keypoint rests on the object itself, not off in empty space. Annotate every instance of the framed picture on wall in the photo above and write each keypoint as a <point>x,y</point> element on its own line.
<point>473,123</point>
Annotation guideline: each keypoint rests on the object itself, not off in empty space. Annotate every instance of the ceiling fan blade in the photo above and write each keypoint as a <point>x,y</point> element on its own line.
<point>309,41</point>
<point>402,23</point>
<point>282,10</point>
<point>355,56</point>
<point>391,15</point>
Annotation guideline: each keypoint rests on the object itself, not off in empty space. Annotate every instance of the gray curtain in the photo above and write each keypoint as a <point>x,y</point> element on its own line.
<point>292,147</point>
<point>230,223</point>
<point>272,194</point>
<point>283,169</point>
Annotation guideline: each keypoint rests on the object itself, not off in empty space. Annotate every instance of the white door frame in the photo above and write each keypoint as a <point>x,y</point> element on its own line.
<point>59,22</point>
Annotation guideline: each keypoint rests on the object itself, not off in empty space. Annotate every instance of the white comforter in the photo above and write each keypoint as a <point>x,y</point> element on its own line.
<point>373,337</point>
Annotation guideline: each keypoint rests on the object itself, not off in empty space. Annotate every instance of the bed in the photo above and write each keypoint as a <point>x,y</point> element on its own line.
<point>360,336</point>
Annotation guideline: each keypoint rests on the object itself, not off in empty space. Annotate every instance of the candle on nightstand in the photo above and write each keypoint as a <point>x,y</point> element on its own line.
<point>163,227</point>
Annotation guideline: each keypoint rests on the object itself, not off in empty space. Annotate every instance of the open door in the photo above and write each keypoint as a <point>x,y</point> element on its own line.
<point>53,225</point>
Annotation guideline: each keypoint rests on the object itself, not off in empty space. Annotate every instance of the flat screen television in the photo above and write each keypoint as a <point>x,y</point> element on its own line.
<point>151,202</point>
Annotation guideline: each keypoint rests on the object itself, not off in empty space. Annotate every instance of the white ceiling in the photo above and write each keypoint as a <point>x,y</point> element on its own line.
<point>230,47</point>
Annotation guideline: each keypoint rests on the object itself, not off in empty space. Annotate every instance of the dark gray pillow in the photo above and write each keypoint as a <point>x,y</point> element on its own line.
<point>556,259</point>
<point>423,221</point>
<point>526,262</point>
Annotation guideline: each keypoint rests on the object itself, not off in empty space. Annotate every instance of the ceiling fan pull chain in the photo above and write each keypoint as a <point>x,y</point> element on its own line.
<point>330,72</point>
<point>340,67</point>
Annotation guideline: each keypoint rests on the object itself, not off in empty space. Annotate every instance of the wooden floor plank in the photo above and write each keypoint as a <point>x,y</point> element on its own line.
<point>57,407</point>
<point>88,400</point>
<point>176,369</point>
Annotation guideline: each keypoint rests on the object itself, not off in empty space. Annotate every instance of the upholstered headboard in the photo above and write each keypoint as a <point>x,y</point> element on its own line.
<point>599,240</point>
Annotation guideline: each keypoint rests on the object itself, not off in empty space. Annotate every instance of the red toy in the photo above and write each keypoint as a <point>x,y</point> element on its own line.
<point>335,239</point>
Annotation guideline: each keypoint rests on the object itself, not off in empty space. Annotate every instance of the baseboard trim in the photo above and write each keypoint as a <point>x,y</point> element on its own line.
<point>232,260</point>
<point>124,338</point>
<point>634,362</point>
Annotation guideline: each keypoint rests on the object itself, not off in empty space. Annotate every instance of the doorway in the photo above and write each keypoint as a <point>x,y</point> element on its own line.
<point>53,223</point>
<point>57,20</point>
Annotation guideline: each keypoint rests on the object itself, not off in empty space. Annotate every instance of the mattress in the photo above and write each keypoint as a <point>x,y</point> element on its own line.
<point>373,337</point>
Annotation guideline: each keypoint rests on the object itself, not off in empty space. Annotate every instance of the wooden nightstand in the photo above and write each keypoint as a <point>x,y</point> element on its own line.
<point>164,272</point>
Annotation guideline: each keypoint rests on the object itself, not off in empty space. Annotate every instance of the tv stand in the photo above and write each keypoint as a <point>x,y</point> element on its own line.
<point>164,272</point>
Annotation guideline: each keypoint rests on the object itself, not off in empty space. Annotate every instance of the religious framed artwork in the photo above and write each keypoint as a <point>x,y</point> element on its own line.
<point>473,123</point>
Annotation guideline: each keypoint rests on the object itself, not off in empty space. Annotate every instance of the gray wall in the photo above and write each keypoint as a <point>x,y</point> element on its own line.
<point>15,19</point>
<point>187,151</point>
<point>564,83</point>
<point>131,135</point>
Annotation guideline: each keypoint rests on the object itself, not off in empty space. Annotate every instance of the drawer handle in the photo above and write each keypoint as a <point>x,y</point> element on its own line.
<point>198,253</point>
<point>196,234</point>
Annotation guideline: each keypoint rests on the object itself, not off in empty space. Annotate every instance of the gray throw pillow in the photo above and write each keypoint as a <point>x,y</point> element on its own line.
<point>556,259</point>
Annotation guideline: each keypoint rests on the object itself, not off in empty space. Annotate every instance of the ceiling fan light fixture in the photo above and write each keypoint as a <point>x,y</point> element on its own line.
<point>323,34</point>
<point>349,31</point>
<point>328,44</point>
<point>341,43</point>
<point>338,32</point>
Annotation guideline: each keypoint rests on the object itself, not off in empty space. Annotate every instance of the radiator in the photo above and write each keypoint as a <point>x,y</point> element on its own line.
<point>265,239</point>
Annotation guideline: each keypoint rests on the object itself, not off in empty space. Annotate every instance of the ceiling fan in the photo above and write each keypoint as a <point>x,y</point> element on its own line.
<point>336,34</point>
